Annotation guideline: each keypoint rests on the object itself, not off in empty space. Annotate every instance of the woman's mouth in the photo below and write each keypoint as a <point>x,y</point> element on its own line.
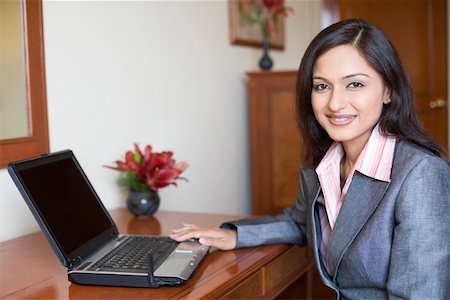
<point>340,120</point>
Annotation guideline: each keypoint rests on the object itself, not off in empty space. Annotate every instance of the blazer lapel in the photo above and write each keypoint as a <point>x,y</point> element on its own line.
<point>309,177</point>
<point>313,190</point>
<point>363,196</point>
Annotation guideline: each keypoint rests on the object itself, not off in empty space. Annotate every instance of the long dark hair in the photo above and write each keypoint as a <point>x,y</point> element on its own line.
<point>397,118</point>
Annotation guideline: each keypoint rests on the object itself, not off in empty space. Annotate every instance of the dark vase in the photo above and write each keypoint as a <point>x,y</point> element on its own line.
<point>143,203</point>
<point>265,63</point>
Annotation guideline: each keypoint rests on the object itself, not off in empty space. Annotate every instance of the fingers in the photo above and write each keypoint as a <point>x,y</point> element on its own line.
<point>186,227</point>
<point>188,231</point>
<point>224,239</point>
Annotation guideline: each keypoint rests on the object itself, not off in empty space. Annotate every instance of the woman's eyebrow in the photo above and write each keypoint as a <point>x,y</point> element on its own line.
<point>356,74</point>
<point>345,77</point>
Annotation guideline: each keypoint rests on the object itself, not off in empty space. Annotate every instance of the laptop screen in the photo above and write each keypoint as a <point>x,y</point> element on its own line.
<point>65,201</point>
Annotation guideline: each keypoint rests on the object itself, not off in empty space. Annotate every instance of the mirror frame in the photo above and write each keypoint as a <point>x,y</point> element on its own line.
<point>37,141</point>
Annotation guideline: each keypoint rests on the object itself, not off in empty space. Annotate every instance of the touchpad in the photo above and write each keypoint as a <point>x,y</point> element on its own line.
<point>181,254</point>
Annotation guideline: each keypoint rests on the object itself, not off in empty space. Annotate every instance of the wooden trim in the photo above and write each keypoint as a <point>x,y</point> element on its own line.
<point>38,141</point>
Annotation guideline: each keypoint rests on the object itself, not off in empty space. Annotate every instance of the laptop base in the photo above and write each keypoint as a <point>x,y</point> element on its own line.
<point>121,280</point>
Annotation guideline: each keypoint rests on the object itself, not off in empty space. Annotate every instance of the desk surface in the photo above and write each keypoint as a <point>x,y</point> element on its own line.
<point>29,269</point>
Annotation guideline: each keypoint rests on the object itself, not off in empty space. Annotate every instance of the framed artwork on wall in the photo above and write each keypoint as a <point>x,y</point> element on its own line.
<point>245,24</point>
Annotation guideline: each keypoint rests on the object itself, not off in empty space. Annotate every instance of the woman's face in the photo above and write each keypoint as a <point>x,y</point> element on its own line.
<point>347,96</point>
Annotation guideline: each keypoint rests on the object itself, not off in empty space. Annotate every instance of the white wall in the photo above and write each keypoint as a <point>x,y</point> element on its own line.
<point>163,73</point>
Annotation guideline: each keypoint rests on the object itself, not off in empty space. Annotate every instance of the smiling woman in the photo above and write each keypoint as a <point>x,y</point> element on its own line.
<point>27,97</point>
<point>364,205</point>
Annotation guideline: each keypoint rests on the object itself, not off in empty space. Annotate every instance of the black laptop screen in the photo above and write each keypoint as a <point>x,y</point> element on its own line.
<point>66,202</point>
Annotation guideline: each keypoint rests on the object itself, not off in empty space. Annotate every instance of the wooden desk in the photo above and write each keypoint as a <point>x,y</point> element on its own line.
<point>29,269</point>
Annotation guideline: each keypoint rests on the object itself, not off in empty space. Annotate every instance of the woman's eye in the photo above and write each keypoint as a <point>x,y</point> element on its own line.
<point>355,85</point>
<point>320,86</point>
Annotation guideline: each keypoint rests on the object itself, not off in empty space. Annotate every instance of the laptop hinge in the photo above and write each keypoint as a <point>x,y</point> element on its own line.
<point>77,260</point>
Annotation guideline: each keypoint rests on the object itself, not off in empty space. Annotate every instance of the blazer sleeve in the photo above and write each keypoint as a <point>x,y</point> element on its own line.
<point>420,257</point>
<point>287,227</point>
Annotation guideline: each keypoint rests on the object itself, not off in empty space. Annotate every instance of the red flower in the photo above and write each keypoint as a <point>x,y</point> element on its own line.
<point>272,3</point>
<point>148,170</point>
<point>264,13</point>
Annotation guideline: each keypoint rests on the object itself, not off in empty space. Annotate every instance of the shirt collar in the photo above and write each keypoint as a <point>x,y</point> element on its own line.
<point>375,160</point>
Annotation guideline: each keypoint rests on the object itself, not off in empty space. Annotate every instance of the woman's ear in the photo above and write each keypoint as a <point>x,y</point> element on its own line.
<point>387,97</point>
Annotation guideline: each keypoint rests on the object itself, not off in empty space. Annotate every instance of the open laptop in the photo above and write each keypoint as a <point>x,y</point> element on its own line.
<point>85,237</point>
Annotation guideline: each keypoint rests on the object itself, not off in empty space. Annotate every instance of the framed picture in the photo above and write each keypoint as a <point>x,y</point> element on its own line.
<point>248,33</point>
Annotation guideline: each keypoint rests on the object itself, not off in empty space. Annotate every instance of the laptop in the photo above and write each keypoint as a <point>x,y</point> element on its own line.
<point>85,238</point>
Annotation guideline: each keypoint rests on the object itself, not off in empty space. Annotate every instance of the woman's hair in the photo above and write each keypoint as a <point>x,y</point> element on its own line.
<point>397,118</point>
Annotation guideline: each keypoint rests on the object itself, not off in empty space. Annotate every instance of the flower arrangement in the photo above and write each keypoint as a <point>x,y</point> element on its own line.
<point>148,170</point>
<point>264,13</point>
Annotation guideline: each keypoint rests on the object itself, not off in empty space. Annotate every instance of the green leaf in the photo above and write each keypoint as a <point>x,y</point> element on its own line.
<point>131,181</point>
<point>137,157</point>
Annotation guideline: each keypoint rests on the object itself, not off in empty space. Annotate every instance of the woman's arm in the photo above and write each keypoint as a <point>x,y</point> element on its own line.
<point>246,232</point>
<point>420,258</point>
<point>287,227</point>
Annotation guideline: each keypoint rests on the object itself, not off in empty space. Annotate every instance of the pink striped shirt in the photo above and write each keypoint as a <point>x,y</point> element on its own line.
<point>375,161</point>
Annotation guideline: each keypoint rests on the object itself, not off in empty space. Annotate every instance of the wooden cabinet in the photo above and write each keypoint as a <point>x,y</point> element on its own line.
<point>275,142</point>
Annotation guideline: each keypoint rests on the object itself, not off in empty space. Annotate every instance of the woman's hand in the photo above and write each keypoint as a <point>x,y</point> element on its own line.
<point>224,239</point>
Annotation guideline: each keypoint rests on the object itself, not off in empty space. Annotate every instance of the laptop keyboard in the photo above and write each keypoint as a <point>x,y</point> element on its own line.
<point>132,255</point>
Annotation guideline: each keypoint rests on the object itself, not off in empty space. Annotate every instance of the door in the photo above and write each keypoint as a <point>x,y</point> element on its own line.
<point>418,30</point>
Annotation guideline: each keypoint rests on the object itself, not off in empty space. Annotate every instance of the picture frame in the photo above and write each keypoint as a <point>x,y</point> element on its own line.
<point>243,33</point>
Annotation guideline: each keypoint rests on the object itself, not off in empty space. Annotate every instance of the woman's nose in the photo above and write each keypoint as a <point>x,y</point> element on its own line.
<point>337,100</point>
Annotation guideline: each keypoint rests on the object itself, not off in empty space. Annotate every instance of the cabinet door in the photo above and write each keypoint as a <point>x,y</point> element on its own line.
<point>275,141</point>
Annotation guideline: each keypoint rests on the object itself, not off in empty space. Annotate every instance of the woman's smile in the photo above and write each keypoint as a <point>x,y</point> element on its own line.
<point>340,120</point>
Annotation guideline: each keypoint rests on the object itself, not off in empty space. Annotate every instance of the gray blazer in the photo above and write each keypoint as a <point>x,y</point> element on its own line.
<point>390,240</point>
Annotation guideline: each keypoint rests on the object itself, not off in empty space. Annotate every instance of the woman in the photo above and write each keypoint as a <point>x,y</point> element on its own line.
<point>374,201</point>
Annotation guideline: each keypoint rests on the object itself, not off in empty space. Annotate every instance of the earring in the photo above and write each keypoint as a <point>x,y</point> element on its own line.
<point>387,101</point>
